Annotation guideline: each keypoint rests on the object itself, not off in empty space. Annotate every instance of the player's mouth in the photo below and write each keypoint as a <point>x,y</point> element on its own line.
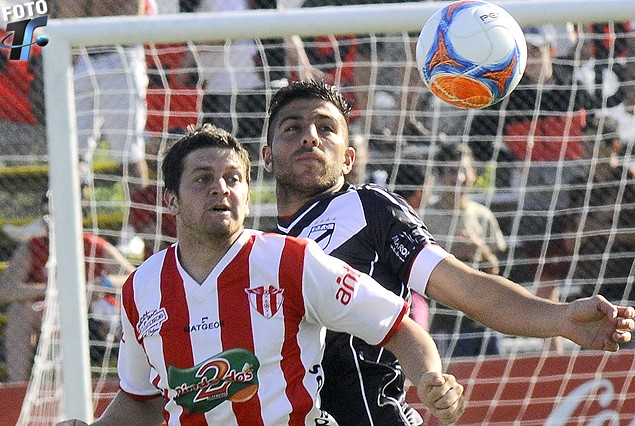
<point>220,208</point>
<point>309,156</point>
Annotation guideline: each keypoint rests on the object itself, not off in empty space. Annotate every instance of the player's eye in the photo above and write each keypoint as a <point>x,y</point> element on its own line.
<point>233,178</point>
<point>291,127</point>
<point>202,178</point>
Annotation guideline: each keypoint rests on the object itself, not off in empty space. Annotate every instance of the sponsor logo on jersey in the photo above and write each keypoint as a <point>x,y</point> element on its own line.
<point>150,322</point>
<point>399,246</point>
<point>266,301</point>
<point>204,325</point>
<point>322,234</point>
<point>230,375</point>
<point>347,285</point>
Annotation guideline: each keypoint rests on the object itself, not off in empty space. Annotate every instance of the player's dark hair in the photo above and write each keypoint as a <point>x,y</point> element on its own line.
<point>206,136</point>
<point>301,89</point>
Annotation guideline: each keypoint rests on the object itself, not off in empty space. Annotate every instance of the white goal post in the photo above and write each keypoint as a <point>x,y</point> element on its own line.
<point>65,35</point>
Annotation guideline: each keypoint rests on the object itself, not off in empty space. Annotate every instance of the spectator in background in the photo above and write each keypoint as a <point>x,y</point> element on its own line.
<point>470,231</point>
<point>234,87</point>
<point>620,84</point>
<point>603,221</point>
<point>110,89</point>
<point>409,183</point>
<point>609,50</point>
<point>540,125</point>
<point>23,285</point>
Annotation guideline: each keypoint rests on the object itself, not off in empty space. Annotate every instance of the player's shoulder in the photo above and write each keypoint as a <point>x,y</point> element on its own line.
<point>376,195</point>
<point>153,264</point>
<point>265,238</point>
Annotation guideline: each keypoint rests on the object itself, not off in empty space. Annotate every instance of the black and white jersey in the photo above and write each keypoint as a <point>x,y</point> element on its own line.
<point>378,233</point>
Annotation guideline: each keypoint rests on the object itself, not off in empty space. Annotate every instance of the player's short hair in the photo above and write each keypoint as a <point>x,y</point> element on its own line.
<point>301,89</point>
<point>205,136</point>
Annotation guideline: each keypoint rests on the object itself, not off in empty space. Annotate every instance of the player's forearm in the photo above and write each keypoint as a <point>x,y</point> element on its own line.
<point>420,360</point>
<point>515,311</point>
<point>416,351</point>
<point>494,301</point>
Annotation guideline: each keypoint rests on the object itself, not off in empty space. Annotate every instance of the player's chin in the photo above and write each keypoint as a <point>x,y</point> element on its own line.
<point>309,169</point>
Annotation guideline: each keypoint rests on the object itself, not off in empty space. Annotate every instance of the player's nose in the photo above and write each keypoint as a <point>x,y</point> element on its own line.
<point>310,135</point>
<point>218,186</point>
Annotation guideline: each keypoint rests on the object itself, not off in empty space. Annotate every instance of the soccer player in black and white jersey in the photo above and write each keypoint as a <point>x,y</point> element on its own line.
<point>376,232</point>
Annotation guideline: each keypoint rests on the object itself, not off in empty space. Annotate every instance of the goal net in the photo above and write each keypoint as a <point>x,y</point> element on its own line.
<point>551,171</point>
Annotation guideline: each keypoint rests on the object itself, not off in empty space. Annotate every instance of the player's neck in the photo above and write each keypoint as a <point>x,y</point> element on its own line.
<point>290,200</point>
<point>199,256</point>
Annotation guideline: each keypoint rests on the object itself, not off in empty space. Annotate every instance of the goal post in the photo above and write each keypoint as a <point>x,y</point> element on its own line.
<point>66,35</point>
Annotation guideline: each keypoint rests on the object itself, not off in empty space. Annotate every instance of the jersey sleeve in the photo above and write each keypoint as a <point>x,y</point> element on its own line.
<point>343,299</point>
<point>401,238</point>
<point>132,365</point>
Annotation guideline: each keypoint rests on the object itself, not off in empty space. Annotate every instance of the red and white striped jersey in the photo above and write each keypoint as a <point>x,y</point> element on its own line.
<point>245,346</point>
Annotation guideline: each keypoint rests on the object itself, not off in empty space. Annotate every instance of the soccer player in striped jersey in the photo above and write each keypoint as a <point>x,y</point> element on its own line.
<point>376,232</point>
<point>226,326</point>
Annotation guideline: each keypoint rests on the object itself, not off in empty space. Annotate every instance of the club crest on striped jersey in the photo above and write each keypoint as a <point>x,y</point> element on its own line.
<point>266,301</point>
<point>322,234</point>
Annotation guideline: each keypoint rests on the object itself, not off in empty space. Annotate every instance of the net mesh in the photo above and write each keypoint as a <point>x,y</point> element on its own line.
<point>560,223</point>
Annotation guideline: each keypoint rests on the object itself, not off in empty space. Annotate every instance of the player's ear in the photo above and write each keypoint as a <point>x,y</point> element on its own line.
<point>171,201</point>
<point>349,160</point>
<point>266,157</point>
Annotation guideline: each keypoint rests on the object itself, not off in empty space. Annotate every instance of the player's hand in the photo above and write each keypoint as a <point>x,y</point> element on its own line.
<point>442,395</point>
<point>595,323</point>
<point>72,423</point>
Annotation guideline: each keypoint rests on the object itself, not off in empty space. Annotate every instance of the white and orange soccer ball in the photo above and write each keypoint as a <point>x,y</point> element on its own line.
<point>471,54</point>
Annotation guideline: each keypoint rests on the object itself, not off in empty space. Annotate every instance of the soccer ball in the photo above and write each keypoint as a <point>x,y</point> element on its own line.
<point>471,54</point>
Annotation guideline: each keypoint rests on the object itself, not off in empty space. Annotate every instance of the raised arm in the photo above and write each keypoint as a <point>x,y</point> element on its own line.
<point>503,305</point>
